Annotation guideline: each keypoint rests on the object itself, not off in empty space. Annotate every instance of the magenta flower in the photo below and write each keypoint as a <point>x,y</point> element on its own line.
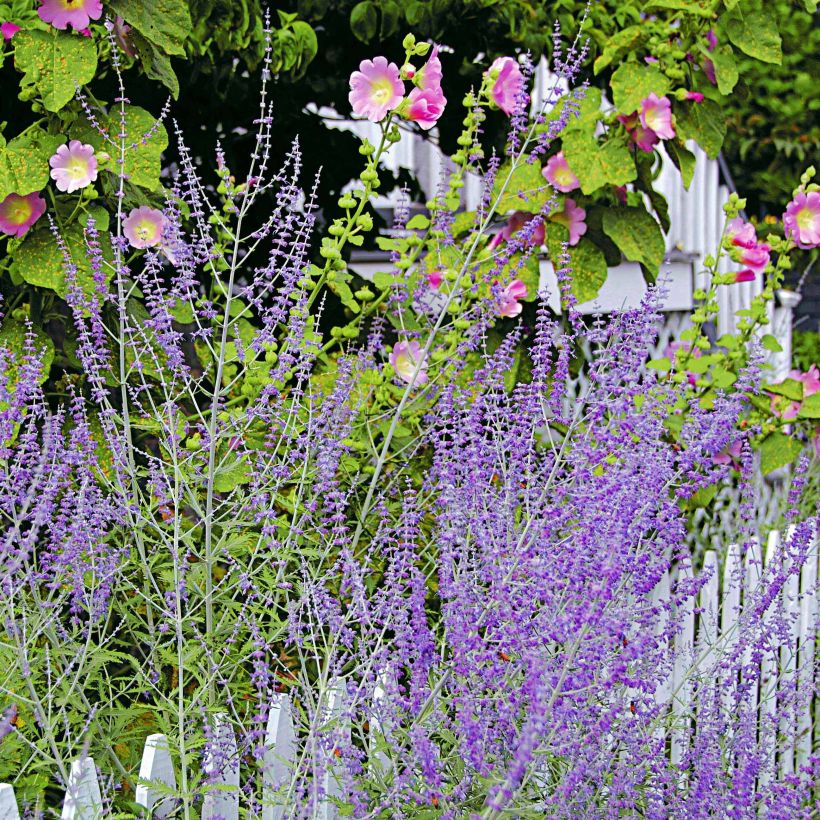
<point>434,279</point>
<point>711,39</point>
<point>644,138</point>
<point>747,250</point>
<point>425,107</point>
<point>573,217</point>
<point>558,173</point>
<point>409,362</point>
<point>508,304</point>
<point>656,115</point>
<point>19,213</point>
<point>745,275</point>
<point>73,166</point>
<point>695,96</point>
<point>508,82</point>
<point>802,220</point>
<point>8,30</point>
<point>730,454</point>
<point>75,13</point>
<point>429,76</point>
<point>143,227</point>
<point>375,88</point>
<point>755,258</point>
<point>741,234</point>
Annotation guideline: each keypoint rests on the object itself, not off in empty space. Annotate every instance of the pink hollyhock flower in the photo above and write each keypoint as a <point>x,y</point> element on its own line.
<point>8,30</point>
<point>810,380</point>
<point>375,88</point>
<point>650,60</point>
<point>74,166</point>
<point>425,107</point>
<point>729,454</point>
<point>434,279</point>
<point>741,234</point>
<point>671,353</point>
<point>695,96</point>
<point>19,213</point>
<point>514,224</point>
<point>122,31</point>
<point>644,138</point>
<point>783,408</point>
<point>429,76</point>
<point>508,82</point>
<point>143,227</point>
<point>75,13</point>
<point>409,362</point>
<point>745,275</point>
<point>558,173</point>
<point>755,258</point>
<point>573,217</point>
<point>802,220</point>
<point>656,115</point>
<point>508,305</point>
<point>711,39</point>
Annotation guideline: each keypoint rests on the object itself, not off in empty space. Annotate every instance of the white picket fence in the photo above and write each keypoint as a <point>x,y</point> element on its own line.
<point>708,627</point>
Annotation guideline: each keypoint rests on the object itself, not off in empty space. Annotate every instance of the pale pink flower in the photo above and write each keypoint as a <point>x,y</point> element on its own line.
<point>143,227</point>
<point>810,380</point>
<point>409,362</point>
<point>558,173</point>
<point>508,304</point>
<point>425,107</point>
<point>573,218</point>
<point>375,88</point>
<point>75,13</point>
<point>508,82</point>
<point>644,138</point>
<point>73,166</point>
<point>656,115</point>
<point>729,454</point>
<point>8,30</point>
<point>19,213</point>
<point>801,221</point>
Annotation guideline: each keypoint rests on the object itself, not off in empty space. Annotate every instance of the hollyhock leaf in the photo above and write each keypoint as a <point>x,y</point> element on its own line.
<point>702,122</point>
<point>771,344</point>
<point>525,191</point>
<point>419,222</point>
<point>166,23</point>
<point>638,235</point>
<point>596,164</point>
<point>617,46</point>
<point>391,18</point>
<point>364,21</point>
<point>754,33</point>
<point>810,408</point>
<point>723,59</point>
<point>54,63</point>
<point>702,8</point>
<point>155,63</point>
<point>24,162</point>
<point>142,162</point>
<point>683,159</point>
<point>13,337</point>
<point>777,450</point>
<point>790,388</point>
<point>39,261</point>
<point>632,83</point>
<point>589,266</point>
<point>341,288</point>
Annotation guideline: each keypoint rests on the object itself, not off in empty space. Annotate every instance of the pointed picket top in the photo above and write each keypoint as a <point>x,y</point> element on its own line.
<point>280,752</point>
<point>158,768</point>
<point>8,803</point>
<point>222,799</point>
<point>83,800</point>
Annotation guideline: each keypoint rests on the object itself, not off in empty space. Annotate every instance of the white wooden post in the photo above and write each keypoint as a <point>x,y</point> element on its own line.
<point>379,761</point>
<point>753,575</point>
<point>8,803</point>
<point>768,682</point>
<point>807,637</point>
<point>83,800</point>
<point>156,770</point>
<point>222,799</point>
<point>729,617</point>
<point>788,667</point>
<point>280,752</point>
<point>333,783</point>
<point>684,643</point>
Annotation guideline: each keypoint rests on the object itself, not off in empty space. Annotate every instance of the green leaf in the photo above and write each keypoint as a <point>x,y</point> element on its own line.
<point>810,409</point>
<point>790,388</point>
<point>419,222</point>
<point>142,161</point>
<point>155,63</point>
<point>771,344</point>
<point>754,33</point>
<point>702,122</point>
<point>638,235</point>
<point>597,165</point>
<point>364,21</point>
<point>391,18</point>
<point>341,288</point>
<point>166,23</point>
<point>24,162</point>
<point>526,189</point>
<point>683,159</point>
<point>701,8</point>
<point>726,74</point>
<point>229,477</point>
<point>54,63</point>
<point>13,337</point>
<point>617,46</point>
<point>587,261</point>
<point>777,450</point>
<point>633,82</point>
<point>40,262</point>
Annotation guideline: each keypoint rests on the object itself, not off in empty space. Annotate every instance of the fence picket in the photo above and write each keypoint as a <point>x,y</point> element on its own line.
<point>768,678</point>
<point>788,666</point>
<point>280,752</point>
<point>681,687</point>
<point>8,803</point>
<point>333,784</point>
<point>158,768</point>
<point>729,615</point>
<point>222,802</point>
<point>83,800</point>
<point>379,761</point>
<point>806,640</point>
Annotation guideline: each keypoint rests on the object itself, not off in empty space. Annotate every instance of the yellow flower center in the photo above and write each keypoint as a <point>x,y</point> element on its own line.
<point>77,169</point>
<point>19,211</point>
<point>804,219</point>
<point>381,91</point>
